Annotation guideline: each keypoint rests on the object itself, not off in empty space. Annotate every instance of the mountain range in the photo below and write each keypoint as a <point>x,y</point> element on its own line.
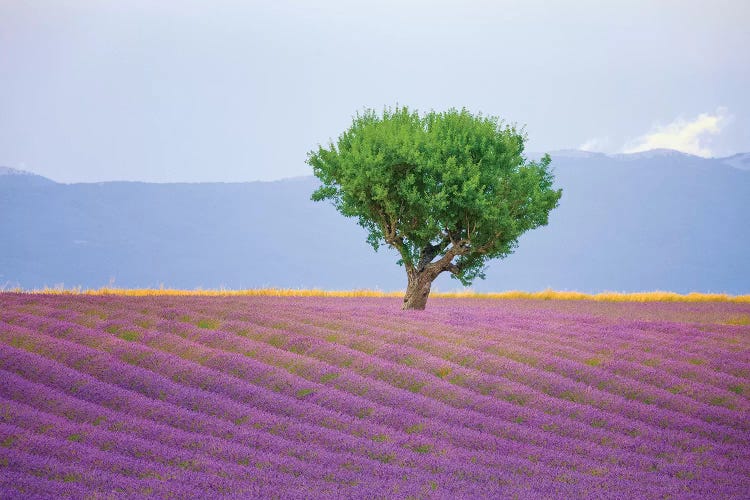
<point>657,220</point>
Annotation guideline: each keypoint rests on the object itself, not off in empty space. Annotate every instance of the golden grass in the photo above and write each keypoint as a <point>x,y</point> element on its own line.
<point>657,296</point>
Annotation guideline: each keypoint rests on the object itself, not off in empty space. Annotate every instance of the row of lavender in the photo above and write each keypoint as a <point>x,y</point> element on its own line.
<point>349,397</point>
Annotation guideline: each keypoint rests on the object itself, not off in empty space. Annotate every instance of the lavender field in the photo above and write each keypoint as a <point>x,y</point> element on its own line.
<point>299,397</point>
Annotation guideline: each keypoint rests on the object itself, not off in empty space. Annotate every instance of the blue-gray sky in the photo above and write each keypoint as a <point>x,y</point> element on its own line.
<point>237,91</point>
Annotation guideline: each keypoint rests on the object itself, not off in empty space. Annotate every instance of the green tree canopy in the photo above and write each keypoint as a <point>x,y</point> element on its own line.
<point>448,190</point>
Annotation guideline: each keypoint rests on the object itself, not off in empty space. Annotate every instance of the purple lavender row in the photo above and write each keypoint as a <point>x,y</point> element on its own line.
<point>529,332</point>
<point>218,333</point>
<point>673,436</point>
<point>539,337</point>
<point>95,461</point>
<point>246,451</point>
<point>595,371</point>
<point>509,341</point>
<point>54,478</point>
<point>715,381</point>
<point>115,440</point>
<point>282,403</point>
<point>525,334</point>
<point>469,316</point>
<point>596,331</point>
<point>594,377</point>
<point>15,484</point>
<point>123,423</point>
<point>441,483</point>
<point>725,395</point>
<point>233,461</point>
<point>651,334</point>
<point>431,458</point>
<point>334,466</point>
<point>225,362</point>
<point>80,450</point>
<point>42,456</point>
<point>293,339</point>
<point>544,343</point>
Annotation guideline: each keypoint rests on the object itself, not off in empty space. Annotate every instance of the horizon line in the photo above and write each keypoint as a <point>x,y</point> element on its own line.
<point>547,294</point>
<point>530,154</point>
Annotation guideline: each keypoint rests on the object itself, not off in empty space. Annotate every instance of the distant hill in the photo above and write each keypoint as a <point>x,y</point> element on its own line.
<point>659,220</point>
<point>10,177</point>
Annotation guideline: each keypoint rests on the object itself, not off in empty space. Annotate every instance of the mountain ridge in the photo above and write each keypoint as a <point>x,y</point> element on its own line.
<point>621,226</point>
<point>740,161</point>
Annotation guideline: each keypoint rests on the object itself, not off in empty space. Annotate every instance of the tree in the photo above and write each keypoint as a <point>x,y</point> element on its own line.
<point>448,190</point>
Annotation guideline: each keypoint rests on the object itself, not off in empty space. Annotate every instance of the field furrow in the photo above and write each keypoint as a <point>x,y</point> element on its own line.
<point>200,396</point>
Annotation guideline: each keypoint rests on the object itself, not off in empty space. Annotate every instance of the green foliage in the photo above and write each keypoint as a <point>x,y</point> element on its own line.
<point>130,336</point>
<point>304,392</point>
<point>423,448</point>
<point>593,361</point>
<point>209,324</point>
<point>328,377</point>
<point>414,428</point>
<point>451,185</point>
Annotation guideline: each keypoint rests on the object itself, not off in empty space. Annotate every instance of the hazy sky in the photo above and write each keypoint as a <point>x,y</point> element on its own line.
<point>237,91</point>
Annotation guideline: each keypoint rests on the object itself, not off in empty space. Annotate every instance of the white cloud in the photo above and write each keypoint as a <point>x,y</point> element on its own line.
<point>596,144</point>
<point>689,136</point>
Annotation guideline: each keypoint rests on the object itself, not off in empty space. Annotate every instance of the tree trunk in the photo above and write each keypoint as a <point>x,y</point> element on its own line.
<point>417,291</point>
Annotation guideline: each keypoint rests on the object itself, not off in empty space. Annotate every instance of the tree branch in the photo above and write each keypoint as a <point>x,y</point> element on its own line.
<point>486,248</point>
<point>445,263</point>
<point>429,252</point>
<point>453,269</point>
<point>391,236</point>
